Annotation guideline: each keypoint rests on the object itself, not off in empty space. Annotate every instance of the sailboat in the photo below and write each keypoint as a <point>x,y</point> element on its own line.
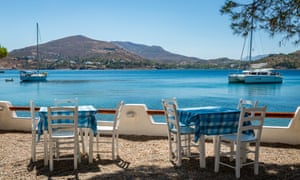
<point>34,75</point>
<point>255,76</point>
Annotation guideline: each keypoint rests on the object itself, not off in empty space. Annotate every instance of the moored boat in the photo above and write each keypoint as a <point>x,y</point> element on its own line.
<point>255,76</point>
<point>33,76</point>
<point>9,79</point>
<point>267,75</point>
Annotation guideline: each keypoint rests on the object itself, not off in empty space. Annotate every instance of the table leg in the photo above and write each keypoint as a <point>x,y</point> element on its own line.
<point>82,139</point>
<point>216,142</point>
<point>202,152</point>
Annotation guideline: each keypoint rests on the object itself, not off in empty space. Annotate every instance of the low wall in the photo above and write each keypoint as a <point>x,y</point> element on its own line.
<point>10,121</point>
<point>286,135</point>
<point>136,121</point>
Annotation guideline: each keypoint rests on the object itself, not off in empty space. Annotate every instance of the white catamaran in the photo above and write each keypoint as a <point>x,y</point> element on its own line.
<point>255,76</point>
<point>34,75</point>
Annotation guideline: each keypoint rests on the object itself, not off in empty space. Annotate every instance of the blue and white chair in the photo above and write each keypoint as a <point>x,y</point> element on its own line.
<point>256,118</point>
<point>66,102</point>
<point>179,136</point>
<point>71,102</point>
<point>63,129</point>
<point>37,145</point>
<point>246,103</point>
<point>111,129</point>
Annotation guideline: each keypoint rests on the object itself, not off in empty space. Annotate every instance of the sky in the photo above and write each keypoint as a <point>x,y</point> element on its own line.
<point>192,28</point>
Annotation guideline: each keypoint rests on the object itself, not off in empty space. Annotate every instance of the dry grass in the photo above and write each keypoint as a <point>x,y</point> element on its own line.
<point>141,157</point>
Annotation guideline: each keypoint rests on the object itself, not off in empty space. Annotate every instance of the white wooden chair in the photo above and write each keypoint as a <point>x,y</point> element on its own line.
<point>63,128</point>
<point>177,133</point>
<point>71,102</point>
<point>37,145</point>
<point>256,117</point>
<point>246,103</point>
<point>110,129</point>
<point>66,102</point>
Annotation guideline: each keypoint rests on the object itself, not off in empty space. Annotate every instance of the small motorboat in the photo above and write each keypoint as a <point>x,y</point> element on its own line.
<point>9,79</point>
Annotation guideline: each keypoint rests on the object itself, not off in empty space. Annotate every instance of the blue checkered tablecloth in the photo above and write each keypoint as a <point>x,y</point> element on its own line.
<point>210,120</point>
<point>86,118</point>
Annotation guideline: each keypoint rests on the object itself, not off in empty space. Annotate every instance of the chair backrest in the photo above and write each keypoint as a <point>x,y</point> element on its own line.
<point>63,119</point>
<point>170,108</point>
<point>246,103</point>
<point>117,115</point>
<point>66,102</point>
<point>252,119</point>
<point>171,101</point>
<point>34,121</point>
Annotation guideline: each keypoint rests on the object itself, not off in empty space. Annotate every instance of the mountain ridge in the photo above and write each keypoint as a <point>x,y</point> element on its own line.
<point>154,52</point>
<point>81,52</point>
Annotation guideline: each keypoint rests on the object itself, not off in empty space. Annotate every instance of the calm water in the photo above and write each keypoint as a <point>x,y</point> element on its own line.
<point>104,88</point>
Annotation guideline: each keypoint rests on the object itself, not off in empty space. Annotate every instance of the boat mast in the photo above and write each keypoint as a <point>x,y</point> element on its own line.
<point>251,32</point>
<point>37,46</point>
<point>251,36</point>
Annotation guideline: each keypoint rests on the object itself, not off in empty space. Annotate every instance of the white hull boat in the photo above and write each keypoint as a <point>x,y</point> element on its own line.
<point>256,76</point>
<point>34,76</point>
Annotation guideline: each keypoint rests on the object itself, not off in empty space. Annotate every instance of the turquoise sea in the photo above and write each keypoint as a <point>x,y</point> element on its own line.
<point>104,88</point>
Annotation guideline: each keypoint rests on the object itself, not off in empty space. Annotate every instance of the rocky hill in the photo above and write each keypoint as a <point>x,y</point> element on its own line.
<point>76,47</point>
<point>283,61</point>
<point>155,53</point>
<point>79,52</point>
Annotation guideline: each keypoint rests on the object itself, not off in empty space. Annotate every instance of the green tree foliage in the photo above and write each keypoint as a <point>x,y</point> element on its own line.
<point>273,16</point>
<point>3,52</point>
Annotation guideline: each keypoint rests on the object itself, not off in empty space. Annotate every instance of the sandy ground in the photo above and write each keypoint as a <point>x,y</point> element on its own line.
<point>140,157</point>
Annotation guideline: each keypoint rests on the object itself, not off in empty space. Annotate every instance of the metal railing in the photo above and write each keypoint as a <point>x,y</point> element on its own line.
<point>287,115</point>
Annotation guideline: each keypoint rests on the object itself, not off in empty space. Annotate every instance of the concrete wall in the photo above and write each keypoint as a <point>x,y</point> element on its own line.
<point>10,121</point>
<point>136,121</point>
<point>287,135</point>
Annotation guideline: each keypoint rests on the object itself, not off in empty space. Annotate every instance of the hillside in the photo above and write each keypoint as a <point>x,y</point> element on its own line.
<point>75,50</point>
<point>155,53</point>
<point>283,61</point>
<point>76,47</point>
<point>79,52</point>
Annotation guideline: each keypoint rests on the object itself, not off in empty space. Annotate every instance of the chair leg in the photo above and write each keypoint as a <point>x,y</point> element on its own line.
<point>57,149</point>
<point>76,147</point>
<point>256,164</point>
<point>90,135</point>
<point>33,148</point>
<point>170,147</point>
<point>46,149</point>
<point>78,154</point>
<point>238,161</point>
<point>115,152</point>
<point>117,144</point>
<point>97,142</point>
<point>113,147</point>
<point>178,151</point>
<point>51,156</point>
